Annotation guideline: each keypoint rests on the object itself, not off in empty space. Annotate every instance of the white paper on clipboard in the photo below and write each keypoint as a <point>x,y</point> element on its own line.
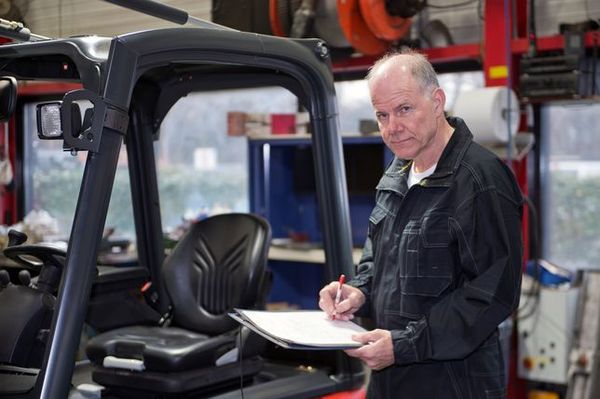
<point>302,329</point>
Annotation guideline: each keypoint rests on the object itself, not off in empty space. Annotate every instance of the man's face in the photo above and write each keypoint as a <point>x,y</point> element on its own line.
<point>406,114</point>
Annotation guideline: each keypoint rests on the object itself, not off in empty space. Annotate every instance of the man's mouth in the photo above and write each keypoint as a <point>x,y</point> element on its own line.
<point>401,142</point>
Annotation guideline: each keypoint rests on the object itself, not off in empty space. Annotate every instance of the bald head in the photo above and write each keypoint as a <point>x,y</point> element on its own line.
<point>409,107</point>
<point>406,61</point>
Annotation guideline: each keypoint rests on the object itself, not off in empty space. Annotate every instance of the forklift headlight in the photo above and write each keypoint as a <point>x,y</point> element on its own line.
<point>48,121</point>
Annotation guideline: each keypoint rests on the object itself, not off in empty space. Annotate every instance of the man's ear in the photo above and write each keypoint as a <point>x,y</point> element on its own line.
<point>439,100</point>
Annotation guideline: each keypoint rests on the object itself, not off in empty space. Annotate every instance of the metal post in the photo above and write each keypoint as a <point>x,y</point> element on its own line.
<point>80,268</point>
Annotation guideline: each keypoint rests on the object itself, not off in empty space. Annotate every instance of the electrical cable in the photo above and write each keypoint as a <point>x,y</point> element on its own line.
<point>464,3</point>
<point>240,354</point>
<point>533,296</point>
<point>532,34</point>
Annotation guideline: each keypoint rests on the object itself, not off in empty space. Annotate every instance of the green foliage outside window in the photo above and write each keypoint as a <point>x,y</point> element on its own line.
<point>574,232</point>
<point>183,191</point>
<point>57,191</point>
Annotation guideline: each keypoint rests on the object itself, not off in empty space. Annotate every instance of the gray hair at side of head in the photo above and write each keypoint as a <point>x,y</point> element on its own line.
<point>420,67</point>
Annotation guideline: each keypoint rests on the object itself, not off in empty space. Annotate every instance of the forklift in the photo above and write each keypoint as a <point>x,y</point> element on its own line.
<point>129,83</point>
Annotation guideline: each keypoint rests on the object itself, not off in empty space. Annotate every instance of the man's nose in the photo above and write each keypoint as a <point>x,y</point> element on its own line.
<point>395,124</point>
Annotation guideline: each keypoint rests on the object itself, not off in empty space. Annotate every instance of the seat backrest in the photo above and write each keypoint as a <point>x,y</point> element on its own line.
<point>219,264</point>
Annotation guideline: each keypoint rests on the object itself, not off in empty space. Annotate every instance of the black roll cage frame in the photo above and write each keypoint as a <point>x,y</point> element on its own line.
<point>122,71</point>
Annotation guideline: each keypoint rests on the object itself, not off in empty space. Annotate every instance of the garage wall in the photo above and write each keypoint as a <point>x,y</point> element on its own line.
<point>62,18</point>
<point>59,18</point>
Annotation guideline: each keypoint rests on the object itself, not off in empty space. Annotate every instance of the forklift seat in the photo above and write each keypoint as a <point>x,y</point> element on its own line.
<point>219,264</point>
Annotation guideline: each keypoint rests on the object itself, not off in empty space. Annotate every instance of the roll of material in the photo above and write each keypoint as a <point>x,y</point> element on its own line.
<point>487,114</point>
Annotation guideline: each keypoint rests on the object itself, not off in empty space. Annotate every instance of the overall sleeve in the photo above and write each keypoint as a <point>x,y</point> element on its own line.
<point>363,278</point>
<point>487,233</point>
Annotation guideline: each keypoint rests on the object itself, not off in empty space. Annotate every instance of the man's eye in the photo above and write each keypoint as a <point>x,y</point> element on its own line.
<point>404,109</point>
<point>381,117</point>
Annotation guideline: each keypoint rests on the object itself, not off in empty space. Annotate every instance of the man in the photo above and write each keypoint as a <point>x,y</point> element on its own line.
<point>441,266</point>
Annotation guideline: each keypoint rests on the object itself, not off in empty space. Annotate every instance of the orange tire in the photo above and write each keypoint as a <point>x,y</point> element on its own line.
<point>383,25</point>
<point>356,30</point>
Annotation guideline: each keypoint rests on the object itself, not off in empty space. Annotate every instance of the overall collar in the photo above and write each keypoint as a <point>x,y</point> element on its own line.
<point>455,149</point>
<point>396,175</point>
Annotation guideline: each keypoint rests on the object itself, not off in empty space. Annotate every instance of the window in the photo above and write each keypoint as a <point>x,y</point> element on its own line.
<point>570,184</point>
<point>201,169</point>
<point>52,178</point>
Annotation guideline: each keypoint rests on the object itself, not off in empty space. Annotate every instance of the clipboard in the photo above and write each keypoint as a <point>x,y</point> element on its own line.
<point>300,329</point>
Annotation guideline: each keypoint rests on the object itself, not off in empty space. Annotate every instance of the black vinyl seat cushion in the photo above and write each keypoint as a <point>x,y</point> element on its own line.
<point>218,265</point>
<point>196,383</point>
<point>161,349</point>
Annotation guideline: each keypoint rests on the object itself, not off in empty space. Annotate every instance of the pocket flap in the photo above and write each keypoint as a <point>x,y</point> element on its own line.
<point>377,215</point>
<point>426,286</point>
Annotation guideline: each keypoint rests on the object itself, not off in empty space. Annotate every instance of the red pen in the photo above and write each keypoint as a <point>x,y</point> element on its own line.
<point>338,294</point>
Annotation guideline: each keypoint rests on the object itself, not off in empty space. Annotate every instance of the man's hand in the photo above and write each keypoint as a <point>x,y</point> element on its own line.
<point>378,352</point>
<point>351,300</point>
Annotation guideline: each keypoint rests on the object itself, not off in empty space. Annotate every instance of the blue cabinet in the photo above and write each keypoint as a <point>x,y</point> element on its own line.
<point>282,188</point>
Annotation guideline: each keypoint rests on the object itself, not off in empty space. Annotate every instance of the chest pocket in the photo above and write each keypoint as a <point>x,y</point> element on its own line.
<point>424,255</point>
<point>435,239</point>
